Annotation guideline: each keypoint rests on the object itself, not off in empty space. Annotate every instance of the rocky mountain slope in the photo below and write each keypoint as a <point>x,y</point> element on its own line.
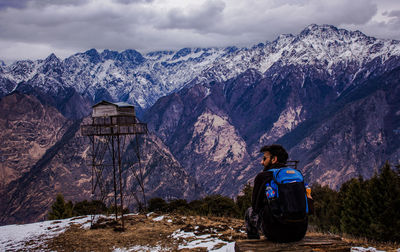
<point>354,136</point>
<point>126,76</point>
<point>28,129</point>
<point>300,101</point>
<point>45,154</point>
<point>329,95</point>
<point>142,79</point>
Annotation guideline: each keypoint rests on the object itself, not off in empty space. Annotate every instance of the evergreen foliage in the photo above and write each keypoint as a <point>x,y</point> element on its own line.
<point>177,205</point>
<point>60,209</point>
<point>325,208</point>
<point>157,205</point>
<point>217,205</point>
<point>363,208</point>
<point>354,217</point>
<point>244,201</point>
<point>89,207</point>
<point>213,205</point>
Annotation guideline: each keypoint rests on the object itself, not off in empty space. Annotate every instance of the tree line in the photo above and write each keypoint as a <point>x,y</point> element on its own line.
<point>212,205</point>
<point>363,208</point>
<point>62,209</point>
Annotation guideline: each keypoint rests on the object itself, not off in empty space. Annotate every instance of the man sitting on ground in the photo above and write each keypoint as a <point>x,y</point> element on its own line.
<point>259,215</point>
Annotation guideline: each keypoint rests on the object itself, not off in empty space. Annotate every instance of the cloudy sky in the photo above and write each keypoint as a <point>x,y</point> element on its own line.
<point>32,29</point>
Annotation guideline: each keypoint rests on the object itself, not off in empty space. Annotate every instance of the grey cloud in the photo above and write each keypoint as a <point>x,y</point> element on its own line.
<point>201,19</point>
<point>59,2</point>
<point>277,3</point>
<point>358,12</point>
<point>71,26</point>
<point>394,13</point>
<point>20,4</point>
<point>78,28</point>
<point>132,1</point>
<point>4,4</point>
<point>394,21</point>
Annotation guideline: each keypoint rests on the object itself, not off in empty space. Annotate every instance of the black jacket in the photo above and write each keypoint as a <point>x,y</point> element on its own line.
<point>273,229</point>
<point>258,196</point>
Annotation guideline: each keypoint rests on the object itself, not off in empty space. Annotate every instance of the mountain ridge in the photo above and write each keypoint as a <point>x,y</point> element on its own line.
<point>163,72</point>
<point>210,110</point>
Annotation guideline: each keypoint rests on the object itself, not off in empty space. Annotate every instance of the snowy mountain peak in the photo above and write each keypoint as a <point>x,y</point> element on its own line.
<point>132,56</point>
<point>141,79</point>
<point>109,55</point>
<point>315,28</point>
<point>330,32</point>
<point>182,53</point>
<point>93,55</point>
<point>231,49</point>
<point>52,58</point>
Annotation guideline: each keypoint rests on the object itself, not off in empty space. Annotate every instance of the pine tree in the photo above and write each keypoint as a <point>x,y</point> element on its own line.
<point>384,193</point>
<point>60,209</point>
<point>326,215</point>
<point>157,205</point>
<point>244,201</point>
<point>354,214</point>
<point>367,209</point>
<point>218,205</point>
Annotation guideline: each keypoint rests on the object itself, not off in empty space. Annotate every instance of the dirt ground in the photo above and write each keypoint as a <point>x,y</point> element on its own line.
<point>167,233</point>
<point>149,232</point>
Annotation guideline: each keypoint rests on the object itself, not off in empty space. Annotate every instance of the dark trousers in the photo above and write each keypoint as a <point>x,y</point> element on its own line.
<point>253,223</point>
<point>272,229</point>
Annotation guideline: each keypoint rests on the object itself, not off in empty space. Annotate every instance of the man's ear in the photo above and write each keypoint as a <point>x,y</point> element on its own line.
<point>274,159</point>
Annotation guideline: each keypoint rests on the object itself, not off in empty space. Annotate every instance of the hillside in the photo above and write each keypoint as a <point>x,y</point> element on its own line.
<point>160,233</point>
<point>45,154</point>
<point>328,95</point>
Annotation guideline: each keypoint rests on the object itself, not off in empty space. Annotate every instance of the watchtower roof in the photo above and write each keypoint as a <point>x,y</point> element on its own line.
<point>118,104</point>
<point>106,109</point>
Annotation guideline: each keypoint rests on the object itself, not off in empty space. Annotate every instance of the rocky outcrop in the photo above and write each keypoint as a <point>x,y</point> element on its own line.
<point>333,137</point>
<point>27,130</point>
<point>354,136</point>
<point>45,154</point>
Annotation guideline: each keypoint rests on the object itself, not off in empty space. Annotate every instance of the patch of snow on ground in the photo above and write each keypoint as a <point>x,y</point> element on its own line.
<point>16,237</point>
<point>139,249</point>
<point>203,241</point>
<point>159,218</point>
<point>181,234</point>
<point>361,249</point>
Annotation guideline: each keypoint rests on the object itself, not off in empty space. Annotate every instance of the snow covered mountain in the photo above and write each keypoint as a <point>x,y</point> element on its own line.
<point>142,79</point>
<point>329,95</point>
<point>301,91</point>
<point>126,76</point>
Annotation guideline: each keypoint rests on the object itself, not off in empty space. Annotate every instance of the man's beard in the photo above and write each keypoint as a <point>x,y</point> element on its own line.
<point>269,165</point>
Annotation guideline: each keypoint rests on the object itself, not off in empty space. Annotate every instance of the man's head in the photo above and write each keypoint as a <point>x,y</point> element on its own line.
<point>273,154</point>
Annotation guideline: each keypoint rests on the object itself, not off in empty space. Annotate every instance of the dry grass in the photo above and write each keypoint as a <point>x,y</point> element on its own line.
<point>143,231</point>
<point>363,242</point>
<point>149,232</point>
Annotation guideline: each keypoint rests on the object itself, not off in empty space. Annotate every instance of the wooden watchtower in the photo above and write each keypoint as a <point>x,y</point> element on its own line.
<point>113,127</point>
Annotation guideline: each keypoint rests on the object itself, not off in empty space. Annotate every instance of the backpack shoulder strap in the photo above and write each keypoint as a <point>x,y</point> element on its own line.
<point>287,175</point>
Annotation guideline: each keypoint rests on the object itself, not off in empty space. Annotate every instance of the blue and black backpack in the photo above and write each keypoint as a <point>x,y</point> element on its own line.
<point>286,195</point>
